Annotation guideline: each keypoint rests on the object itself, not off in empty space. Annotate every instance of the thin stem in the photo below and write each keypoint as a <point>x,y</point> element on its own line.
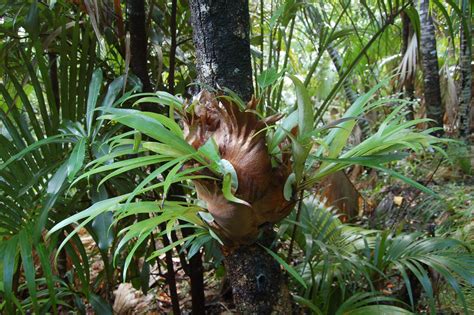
<point>170,275</point>
<point>181,254</point>
<point>53,74</point>
<point>261,35</point>
<point>285,62</point>
<point>295,227</point>
<point>173,47</point>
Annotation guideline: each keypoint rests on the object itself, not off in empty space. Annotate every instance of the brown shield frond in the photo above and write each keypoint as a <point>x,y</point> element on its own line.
<point>240,138</point>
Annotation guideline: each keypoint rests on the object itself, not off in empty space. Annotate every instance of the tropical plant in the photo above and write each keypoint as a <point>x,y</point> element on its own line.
<point>212,172</point>
<point>50,132</point>
<point>356,259</point>
<point>35,194</point>
<point>227,209</point>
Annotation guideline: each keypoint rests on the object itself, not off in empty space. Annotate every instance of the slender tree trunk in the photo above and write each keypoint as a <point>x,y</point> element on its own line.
<point>221,38</point>
<point>338,63</point>
<point>170,276</point>
<point>139,48</point>
<point>53,74</point>
<point>174,4</point>
<point>138,41</point>
<point>350,94</point>
<point>196,274</point>
<point>466,75</point>
<point>429,56</point>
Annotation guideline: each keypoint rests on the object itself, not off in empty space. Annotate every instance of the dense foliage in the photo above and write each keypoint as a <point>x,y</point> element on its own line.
<point>110,174</point>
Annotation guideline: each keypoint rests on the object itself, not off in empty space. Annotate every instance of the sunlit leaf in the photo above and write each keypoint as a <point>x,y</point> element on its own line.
<point>288,188</point>
<point>94,90</point>
<point>267,78</point>
<point>305,107</point>
<point>76,160</point>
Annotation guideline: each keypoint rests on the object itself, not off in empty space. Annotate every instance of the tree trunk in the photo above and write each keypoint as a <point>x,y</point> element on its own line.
<point>258,284</point>
<point>53,75</point>
<point>429,56</point>
<point>174,6</point>
<point>139,48</point>
<point>170,275</point>
<point>221,38</point>
<point>466,75</point>
<point>196,275</point>
<point>338,63</point>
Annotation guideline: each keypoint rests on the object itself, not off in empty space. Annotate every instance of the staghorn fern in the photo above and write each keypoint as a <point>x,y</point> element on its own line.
<point>242,176</point>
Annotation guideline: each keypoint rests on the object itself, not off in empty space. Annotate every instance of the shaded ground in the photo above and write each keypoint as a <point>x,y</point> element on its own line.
<point>393,206</point>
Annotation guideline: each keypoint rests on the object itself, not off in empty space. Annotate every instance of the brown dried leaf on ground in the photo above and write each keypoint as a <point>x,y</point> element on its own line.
<point>341,193</point>
<point>129,301</point>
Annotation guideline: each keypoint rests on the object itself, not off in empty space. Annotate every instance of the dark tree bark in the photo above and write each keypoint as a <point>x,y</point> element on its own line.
<point>429,56</point>
<point>258,284</point>
<point>170,276</point>
<point>221,38</point>
<point>53,74</point>
<point>174,4</point>
<point>196,274</point>
<point>465,96</point>
<point>139,47</point>
<point>194,269</point>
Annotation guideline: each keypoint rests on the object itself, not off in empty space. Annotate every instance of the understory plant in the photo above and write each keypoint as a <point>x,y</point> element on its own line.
<point>35,177</point>
<point>341,261</point>
<point>238,171</point>
<point>215,165</point>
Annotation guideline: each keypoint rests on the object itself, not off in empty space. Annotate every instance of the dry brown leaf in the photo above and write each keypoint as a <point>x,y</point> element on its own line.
<point>398,200</point>
<point>339,192</point>
<point>129,300</point>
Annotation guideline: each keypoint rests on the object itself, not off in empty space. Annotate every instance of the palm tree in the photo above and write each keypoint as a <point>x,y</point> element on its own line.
<point>429,56</point>
<point>466,73</point>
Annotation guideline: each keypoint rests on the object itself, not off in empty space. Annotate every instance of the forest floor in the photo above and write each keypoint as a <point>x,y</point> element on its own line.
<point>394,207</point>
<point>418,212</point>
